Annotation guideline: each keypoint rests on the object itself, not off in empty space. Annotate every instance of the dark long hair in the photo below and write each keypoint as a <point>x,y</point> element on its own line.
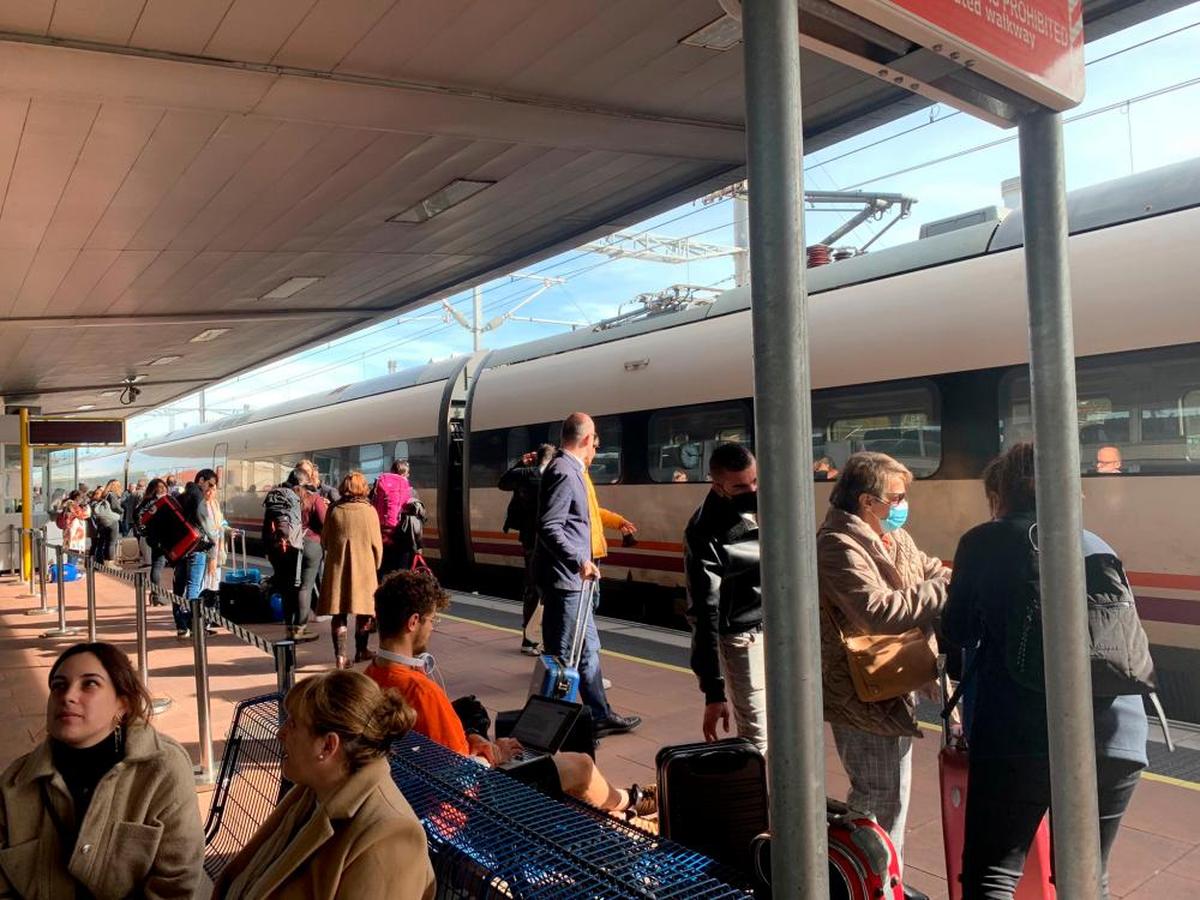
<point>121,673</point>
<point>1011,474</point>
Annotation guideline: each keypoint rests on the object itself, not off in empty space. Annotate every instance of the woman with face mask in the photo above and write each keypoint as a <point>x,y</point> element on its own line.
<point>874,581</point>
<point>105,806</point>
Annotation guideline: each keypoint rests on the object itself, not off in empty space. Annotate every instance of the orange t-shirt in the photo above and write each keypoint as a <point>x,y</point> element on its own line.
<point>436,718</point>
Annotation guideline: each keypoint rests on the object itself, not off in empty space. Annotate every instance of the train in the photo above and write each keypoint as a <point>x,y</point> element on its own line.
<point>919,350</point>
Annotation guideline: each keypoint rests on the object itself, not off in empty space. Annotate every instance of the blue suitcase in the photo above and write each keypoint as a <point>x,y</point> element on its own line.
<point>245,574</point>
<point>557,676</point>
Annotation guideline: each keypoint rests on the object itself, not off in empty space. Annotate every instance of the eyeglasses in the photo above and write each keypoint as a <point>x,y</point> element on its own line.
<point>893,499</point>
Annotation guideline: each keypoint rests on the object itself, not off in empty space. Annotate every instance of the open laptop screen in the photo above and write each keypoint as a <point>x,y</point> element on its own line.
<point>544,723</point>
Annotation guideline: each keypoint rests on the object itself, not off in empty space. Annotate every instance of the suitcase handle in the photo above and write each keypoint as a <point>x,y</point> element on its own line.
<point>586,595</point>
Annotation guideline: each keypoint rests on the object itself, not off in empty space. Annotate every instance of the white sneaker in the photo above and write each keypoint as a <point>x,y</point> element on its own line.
<point>607,684</point>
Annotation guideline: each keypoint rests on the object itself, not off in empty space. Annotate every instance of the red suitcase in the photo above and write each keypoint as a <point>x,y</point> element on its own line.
<point>952,776</point>
<point>167,529</point>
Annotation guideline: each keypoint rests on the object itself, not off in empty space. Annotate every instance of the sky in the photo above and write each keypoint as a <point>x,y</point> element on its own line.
<point>1143,90</point>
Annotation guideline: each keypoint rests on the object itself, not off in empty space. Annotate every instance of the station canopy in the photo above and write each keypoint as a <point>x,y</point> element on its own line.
<point>190,188</point>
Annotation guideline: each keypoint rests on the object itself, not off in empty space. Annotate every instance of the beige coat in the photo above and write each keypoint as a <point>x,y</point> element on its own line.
<point>868,586</point>
<point>364,842</point>
<point>141,835</point>
<point>353,555</point>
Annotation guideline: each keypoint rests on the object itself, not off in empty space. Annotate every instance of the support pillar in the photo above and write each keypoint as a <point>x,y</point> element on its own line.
<point>782,413</point>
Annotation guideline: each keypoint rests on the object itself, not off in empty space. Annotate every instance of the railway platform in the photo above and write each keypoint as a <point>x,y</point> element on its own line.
<point>1157,854</point>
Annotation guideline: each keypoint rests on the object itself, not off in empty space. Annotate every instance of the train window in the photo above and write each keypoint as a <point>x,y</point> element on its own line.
<point>606,467</point>
<point>422,463</point>
<point>489,457</point>
<point>518,445</point>
<point>901,420</point>
<point>1138,412</point>
<point>680,440</point>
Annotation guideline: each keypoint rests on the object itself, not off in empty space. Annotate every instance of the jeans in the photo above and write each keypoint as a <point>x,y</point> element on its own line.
<point>880,771</point>
<point>1006,801</point>
<point>531,597</point>
<point>189,579</point>
<point>744,671</point>
<point>561,610</point>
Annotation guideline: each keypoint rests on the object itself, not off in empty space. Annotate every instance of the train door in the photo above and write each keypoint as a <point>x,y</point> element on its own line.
<point>452,474</point>
<point>220,465</point>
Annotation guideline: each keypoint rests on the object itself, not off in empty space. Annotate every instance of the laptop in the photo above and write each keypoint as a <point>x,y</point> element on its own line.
<point>541,728</point>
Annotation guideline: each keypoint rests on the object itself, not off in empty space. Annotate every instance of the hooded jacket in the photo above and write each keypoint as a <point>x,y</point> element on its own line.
<point>869,586</point>
<point>140,837</point>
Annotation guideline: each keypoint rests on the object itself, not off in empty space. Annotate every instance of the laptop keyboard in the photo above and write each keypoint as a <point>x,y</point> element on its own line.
<point>524,755</point>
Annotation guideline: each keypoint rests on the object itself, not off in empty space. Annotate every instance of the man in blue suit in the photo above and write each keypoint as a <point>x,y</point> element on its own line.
<point>564,559</point>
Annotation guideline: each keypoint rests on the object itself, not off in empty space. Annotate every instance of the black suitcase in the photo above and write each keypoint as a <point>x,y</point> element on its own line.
<point>713,798</point>
<point>245,603</point>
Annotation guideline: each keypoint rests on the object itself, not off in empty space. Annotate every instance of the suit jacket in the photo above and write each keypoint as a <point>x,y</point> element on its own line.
<point>364,843</point>
<point>564,525</point>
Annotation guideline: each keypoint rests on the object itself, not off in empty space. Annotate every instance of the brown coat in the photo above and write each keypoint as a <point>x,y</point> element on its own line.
<point>868,586</point>
<point>364,842</point>
<point>141,835</point>
<point>353,555</point>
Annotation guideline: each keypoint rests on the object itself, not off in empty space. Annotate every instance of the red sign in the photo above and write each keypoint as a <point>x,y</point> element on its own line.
<point>1034,47</point>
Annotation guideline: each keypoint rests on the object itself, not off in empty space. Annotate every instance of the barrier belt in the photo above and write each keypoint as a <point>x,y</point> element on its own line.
<point>211,616</point>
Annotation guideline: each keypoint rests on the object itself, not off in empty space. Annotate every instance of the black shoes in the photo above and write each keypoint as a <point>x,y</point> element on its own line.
<point>911,893</point>
<point>615,724</point>
<point>530,648</point>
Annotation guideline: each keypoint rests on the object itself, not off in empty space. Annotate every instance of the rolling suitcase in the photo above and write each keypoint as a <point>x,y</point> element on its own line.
<point>240,574</point>
<point>952,777</point>
<point>167,529</point>
<point>245,603</point>
<point>558,676</point>
<point>713,798</point>
<point>862,861</point>
<point>129,553</point>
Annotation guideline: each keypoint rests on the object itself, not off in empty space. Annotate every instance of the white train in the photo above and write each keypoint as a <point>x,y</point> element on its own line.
<point>920,350</point>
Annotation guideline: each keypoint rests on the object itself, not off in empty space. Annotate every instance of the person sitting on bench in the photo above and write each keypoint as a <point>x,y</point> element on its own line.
<point>406,609</point>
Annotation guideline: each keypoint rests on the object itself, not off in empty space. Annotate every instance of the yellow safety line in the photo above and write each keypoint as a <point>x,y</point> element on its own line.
<point>927,726</point>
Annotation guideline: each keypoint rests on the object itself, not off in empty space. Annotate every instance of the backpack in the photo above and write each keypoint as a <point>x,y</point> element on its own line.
<point>283,524</point>
<point>408,531</point>
<point>390,494</point>
<point>63,519</point>
<point>1119,649</point>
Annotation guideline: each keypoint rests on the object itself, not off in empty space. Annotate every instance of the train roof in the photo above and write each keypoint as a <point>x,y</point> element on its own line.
<point>1146,194</point>
<point>406,378</point>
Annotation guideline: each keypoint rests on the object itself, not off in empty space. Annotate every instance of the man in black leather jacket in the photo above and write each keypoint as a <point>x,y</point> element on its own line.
<point>720,546</point>
<point>523,481</point>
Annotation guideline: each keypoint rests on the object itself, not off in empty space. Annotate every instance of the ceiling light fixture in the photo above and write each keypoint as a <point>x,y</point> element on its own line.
<point>720,34</point>
<point>291,287</point>
<point>162,361</point>
<point>109,393</point>
<point>209,334</point>
<point>86,407</point>
<point>438,202</point>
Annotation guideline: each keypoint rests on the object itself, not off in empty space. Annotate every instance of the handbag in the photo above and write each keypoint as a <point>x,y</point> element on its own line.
<point>885,666</point>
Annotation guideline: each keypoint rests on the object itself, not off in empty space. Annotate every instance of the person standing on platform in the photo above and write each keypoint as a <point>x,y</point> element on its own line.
<point>190,570</point>
<point>524,482</point>
<point>873,580</point>
<point>312,477</point>
<point>353,554</point>
<point>720,552</point>
<point>570,540</point>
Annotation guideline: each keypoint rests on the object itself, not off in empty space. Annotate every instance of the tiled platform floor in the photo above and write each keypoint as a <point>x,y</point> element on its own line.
<point>1157,854</point>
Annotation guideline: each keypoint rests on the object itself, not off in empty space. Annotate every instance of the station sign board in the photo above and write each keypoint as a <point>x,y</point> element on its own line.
<point>76,432</point>
<point>1032,47</point>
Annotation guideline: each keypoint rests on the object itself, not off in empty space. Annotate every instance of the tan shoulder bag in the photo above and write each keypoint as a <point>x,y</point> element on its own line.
<point>884,666</point>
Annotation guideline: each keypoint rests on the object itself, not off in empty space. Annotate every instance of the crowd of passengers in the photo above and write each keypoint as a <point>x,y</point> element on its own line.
<point>105,806</point>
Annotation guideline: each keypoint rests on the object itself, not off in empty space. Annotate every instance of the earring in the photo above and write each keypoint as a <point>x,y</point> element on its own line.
<point>321,758</point>
<point>119,740</point>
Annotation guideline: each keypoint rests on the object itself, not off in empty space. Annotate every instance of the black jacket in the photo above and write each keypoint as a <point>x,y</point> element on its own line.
<point>521,517</point>
<point>720,554</point>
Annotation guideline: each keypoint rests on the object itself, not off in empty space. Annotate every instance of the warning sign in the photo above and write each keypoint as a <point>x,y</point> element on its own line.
<point>1033,47</point>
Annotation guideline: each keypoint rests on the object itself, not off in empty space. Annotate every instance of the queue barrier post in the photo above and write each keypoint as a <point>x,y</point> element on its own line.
<point>14,552</point>
<point>140,586</point>
<point>204,772</point>
<point>33,567</point>
<point>90,577</point>
<point>61,589</point>
<point>285,665</point>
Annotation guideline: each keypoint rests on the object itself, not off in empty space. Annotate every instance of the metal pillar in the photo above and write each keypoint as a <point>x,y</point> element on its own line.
<point>741,238</point>
<point>89,574</point>
<point>61,589</point>
<point>26,492</point>
<point>140,587</point>
<point>204,772</point>
<point>477,317</point>
<point>1055,422</point>
<point>782,412</point>
<point>285,665</point>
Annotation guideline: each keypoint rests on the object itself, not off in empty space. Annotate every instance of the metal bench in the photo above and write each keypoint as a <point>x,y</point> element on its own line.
<point>489,835</point>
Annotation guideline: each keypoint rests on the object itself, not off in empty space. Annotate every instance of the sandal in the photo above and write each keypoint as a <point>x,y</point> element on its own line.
<point>643,801</point>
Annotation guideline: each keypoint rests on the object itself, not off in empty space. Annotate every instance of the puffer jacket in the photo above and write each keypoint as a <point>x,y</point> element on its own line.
<point>868,586</point>
<point>140,837</point>
<point>721,563</point>
<point>107,511</point>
